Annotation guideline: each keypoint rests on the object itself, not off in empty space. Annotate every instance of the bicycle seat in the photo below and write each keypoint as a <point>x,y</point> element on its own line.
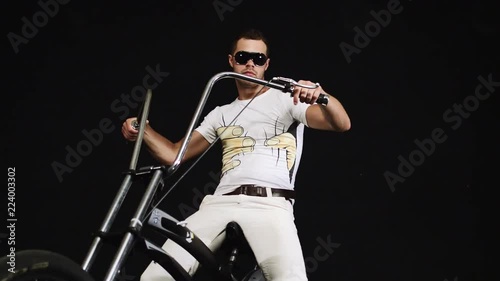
<point>235,235</point>
<point>234,231</point>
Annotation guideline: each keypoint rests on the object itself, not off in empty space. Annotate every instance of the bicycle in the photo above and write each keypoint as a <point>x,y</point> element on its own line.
<point>46,265</point>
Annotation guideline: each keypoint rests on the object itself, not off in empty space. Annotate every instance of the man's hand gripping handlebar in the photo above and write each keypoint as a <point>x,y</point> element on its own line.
<point>291,84</point>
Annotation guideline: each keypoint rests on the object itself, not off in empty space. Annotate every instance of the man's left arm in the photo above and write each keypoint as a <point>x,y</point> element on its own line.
<point>332,117</point>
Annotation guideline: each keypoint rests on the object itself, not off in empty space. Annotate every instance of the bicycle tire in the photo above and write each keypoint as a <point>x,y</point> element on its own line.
<point>42,265</point>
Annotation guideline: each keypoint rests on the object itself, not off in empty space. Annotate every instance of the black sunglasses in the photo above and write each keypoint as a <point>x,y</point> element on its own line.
<point>242,57</point>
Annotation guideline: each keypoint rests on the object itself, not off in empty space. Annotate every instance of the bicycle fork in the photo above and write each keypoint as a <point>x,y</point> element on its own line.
<point>134,227</point>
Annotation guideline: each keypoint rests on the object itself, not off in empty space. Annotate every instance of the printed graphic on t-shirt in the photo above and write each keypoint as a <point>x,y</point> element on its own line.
<point>285,141</point>
<point>234,143</point>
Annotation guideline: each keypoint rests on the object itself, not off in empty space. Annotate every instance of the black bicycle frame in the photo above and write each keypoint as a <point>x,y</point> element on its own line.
<point>164,223</point>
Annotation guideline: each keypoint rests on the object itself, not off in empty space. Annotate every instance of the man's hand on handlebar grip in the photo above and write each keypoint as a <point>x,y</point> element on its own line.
<point>306,95</point>
<point>130,132</point>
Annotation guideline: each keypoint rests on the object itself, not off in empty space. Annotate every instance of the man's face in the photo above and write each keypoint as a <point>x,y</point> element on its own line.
<point>249,58</point>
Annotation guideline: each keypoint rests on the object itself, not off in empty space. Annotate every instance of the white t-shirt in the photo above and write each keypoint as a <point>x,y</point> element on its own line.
<point>263,145</point>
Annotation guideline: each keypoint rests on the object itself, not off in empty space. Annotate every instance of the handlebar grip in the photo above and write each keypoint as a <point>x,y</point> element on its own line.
<point>322,99</point>
<point>135,124</point>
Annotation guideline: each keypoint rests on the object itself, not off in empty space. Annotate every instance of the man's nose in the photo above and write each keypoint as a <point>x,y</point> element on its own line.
<point>250,63</point>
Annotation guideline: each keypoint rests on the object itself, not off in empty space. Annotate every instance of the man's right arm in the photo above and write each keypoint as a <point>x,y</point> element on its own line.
<point>162,149</point>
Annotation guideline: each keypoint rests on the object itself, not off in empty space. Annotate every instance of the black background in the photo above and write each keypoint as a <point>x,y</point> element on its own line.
<point>432,226</point>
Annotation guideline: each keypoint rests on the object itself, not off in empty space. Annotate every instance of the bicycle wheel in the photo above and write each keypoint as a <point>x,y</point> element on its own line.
<point>41,265</point>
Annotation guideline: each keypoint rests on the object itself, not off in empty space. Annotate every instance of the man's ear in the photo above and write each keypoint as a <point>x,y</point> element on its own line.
<point>267,64</point>
<point>230,60</point>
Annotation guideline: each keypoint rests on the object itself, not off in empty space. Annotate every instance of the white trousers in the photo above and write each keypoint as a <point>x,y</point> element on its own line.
<point>268,225</point>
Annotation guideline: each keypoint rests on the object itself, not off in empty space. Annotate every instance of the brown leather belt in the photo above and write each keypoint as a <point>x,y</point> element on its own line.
<point>261,191</point>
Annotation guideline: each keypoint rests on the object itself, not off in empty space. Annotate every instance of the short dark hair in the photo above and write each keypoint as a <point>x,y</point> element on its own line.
<point>251,33</point>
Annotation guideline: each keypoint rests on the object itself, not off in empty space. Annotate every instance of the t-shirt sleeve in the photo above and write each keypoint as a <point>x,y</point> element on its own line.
<point>208,126</point>
<point>298,111</point>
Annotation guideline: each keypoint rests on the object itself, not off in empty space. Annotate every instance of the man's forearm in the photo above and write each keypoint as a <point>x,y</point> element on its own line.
<point>160,147</point>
